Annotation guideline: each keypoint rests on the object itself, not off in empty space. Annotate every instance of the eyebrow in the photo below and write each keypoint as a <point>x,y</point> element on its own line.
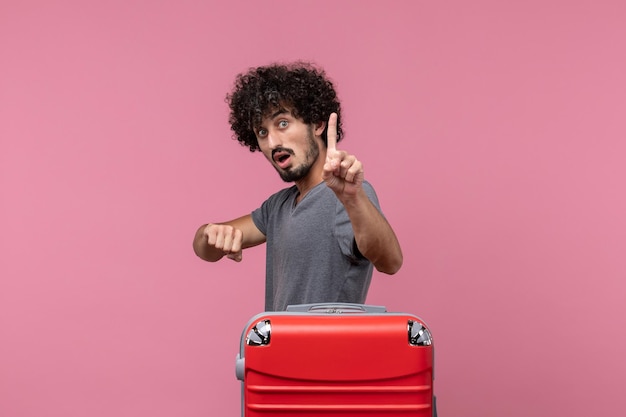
<point>278,113</point>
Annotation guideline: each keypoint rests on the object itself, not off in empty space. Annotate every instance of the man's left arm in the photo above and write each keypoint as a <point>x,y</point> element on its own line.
<point>375,238</point>
<point>373,234</point>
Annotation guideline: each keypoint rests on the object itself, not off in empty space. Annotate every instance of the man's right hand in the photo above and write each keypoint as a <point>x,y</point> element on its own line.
<point>224,238</point>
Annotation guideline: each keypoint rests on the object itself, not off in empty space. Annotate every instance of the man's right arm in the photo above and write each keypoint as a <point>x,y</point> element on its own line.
<point>213,241</point>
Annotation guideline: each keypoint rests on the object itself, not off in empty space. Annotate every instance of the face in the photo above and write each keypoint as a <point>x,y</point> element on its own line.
<point>289,144</point>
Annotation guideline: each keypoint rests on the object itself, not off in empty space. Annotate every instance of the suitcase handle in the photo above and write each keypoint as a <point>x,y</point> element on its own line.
<point>336,308</point>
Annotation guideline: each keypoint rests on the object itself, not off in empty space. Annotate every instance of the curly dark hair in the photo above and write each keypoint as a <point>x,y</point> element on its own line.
<point>301,87</point>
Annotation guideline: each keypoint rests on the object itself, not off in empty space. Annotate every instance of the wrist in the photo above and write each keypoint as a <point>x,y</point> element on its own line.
<point>355,199</point>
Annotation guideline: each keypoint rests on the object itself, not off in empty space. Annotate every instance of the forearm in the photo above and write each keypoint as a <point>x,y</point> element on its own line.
<point>374,236</point>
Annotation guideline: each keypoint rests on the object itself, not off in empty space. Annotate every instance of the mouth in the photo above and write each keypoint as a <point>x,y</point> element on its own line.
<point>282,158</point>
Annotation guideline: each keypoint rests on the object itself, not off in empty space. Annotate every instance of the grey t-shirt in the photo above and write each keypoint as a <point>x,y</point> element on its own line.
<point>311,252</point>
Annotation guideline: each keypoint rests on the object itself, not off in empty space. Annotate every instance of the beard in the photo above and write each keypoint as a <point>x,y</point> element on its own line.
<point>293,174</point>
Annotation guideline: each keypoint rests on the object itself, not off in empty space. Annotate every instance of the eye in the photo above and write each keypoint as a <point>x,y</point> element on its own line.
<point>262,133</point>
<point>283,124</point>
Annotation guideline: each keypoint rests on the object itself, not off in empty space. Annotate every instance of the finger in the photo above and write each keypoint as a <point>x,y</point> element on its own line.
<point>237,241</point>
<point>228,243</point>
<point>232,239</point>
<point>235,256</point>
<point>332,132</point>
<point>219,241</point>
<point>354,172</point>
<point>347,161</point>
<point>210,237</point>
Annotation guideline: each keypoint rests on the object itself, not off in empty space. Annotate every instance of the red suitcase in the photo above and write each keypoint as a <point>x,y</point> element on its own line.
<point>341,360</point>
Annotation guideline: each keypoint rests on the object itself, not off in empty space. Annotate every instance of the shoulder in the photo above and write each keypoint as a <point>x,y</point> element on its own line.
<point>275,205</point>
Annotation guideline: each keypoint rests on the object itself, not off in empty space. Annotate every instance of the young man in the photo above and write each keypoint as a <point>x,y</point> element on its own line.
<point>325,233</point>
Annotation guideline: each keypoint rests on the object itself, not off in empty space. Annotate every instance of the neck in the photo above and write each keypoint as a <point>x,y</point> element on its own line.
<point>314,177</point>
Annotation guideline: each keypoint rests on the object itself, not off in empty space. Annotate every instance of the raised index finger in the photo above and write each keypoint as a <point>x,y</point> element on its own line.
<point>332,132</point>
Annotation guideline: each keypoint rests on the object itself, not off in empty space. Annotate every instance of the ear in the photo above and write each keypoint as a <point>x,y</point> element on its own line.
<point>319,128</point>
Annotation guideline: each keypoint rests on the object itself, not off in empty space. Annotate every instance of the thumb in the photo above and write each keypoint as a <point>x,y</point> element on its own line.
<point>237,256</point>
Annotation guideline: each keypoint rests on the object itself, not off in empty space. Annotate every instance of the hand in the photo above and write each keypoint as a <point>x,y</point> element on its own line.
<point>343,173</point>
<point>226,238</point>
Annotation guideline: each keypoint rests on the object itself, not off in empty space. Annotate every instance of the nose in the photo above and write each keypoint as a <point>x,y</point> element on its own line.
<point>273,139</point>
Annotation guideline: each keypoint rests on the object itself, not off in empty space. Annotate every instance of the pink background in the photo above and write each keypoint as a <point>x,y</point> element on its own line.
<point>494,132</point>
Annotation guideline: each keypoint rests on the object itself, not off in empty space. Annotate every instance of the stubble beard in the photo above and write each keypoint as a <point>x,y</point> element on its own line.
<point>302,170</point>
